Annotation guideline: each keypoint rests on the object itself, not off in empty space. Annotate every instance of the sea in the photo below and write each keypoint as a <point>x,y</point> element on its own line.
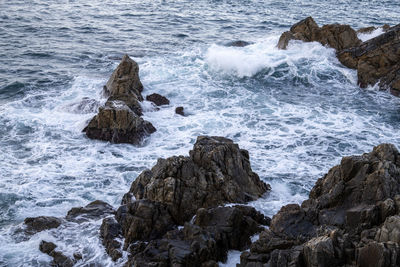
<point>297,111</point>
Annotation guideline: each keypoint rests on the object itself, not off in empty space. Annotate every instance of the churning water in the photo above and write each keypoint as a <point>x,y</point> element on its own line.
<point>297,111</point>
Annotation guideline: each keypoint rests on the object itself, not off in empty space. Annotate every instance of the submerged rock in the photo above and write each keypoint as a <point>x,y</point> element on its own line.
<point>157,99</point>
<point>59,259</point>
<point>336,36</point>
<point>349,219</point>
<point>92,211</point>
<point>179,111</point>
<point>238,43</point>
<point>41,223</point>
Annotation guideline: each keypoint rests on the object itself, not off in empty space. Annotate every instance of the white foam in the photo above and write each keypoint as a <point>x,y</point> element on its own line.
<point>367,36</point>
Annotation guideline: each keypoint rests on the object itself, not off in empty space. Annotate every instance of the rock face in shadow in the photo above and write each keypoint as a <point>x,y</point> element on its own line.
<point>119,120</point>
<point>376,60</point>
<point>350,219</point>
<point>216,172</point>
<point>336,36</point>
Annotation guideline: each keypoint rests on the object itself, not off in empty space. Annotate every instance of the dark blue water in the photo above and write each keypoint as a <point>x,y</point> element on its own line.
<point>296,111</point>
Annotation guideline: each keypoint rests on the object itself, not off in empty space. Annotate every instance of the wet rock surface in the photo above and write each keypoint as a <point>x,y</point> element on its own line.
<point>350,219</point>
<point>336,36</point>
<point>216,172</point>
<point>376,60</point>
<point>41,223</point>
<point>92,211</point>
<point>180,111</point>
<point>157,99</point>
<point>59,259</point>
<point>119,120</point>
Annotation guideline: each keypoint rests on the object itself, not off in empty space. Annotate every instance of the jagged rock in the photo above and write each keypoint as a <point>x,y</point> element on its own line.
<point>59,259</point>
<point>292,222</point>
<point>119,120</point>
<point>390,230</point>
<point>203,243</point>
<point>157,99</point>
<point>144,220</point>
<point>179,111</point>
<point>334,35</point>
<point>125,80</point>
<point>348,219</point>
<point>117,123</point>
<point>41,223</point>
<point>93,211</point>
<point>377,254</point>
<point>110,230</point>
<point>376,60</point>
<point>216,172</point>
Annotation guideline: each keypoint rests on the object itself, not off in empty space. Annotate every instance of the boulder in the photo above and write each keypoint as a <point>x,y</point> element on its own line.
<point>110,230</point>
<point>117,123</point>
<point>216,172</point>
<point>336,36</point>
<point>376,60</point>
<point>41,223</point>
<point>157,99</point>
<point>93,211</point>
<point>390,230</point>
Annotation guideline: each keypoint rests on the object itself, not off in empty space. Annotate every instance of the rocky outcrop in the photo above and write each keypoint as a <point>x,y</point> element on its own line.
<point>350,219</point>
<point>216,172</point>
<point>336,36</point>
<point>376,60</point>
<point>93,211</point>
<point>157,99</point>
<point>119,120</point>
<point>59,259</point>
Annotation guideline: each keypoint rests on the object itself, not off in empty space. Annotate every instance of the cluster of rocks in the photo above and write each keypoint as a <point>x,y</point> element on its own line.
<point>352,218</point>
<point>376,60</point>
<point>174,218</point>
<point>172,214</point>
<point>95,210</point>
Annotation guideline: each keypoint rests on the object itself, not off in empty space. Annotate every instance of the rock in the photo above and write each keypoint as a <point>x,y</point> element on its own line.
<point>376,60</point>
<point>390,230</point>
<point>216,172</point>
<point>119,120</point>
<point>157,99</point>
<point>125,81</point>
<point>59,259</point>
<point>292,222</point>
<point>117,123</point>
<point>367,29</point>
<point>205,242</point>
<point>320,251</point>
<point>238,43</point>
<point>110,230</point>
<point>336,36</point>
<point>93,211</point>
<point>179,111</point>
<point>379,255</point>
<point>144,220</point>
<point>41,223</point>
<point>350,219</point>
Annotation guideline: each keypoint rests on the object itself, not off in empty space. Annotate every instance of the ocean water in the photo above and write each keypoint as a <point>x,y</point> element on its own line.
<point>297,111</point>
